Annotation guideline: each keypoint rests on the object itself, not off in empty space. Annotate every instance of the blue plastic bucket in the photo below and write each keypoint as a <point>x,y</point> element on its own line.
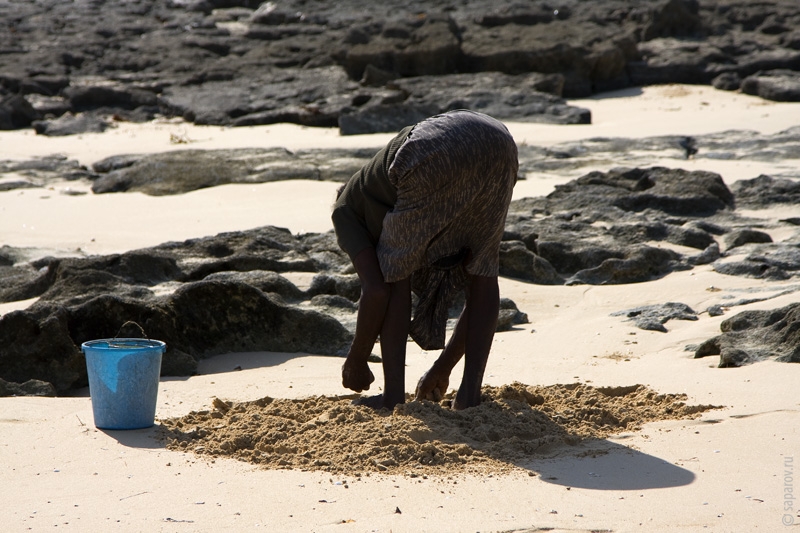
<point>123,381</point>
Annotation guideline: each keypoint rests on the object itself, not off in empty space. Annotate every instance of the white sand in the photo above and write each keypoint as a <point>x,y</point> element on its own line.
<point>723,472</point>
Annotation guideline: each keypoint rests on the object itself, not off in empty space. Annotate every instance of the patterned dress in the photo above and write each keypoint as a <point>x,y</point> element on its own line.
<point>433,204</point>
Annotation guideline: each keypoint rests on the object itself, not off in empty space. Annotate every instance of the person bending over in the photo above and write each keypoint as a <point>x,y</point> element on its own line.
<point>427,214</point>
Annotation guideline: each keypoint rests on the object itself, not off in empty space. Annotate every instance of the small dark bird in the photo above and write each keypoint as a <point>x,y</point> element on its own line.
<point>690,145</point>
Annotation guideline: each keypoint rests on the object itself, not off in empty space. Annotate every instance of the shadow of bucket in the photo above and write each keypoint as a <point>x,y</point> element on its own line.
<point>123,381</point>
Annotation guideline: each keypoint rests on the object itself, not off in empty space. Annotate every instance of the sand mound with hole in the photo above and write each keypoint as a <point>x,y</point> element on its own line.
<point>514,423</point>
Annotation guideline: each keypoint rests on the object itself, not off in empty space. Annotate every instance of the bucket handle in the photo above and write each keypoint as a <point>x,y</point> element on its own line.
<point>141,329</point>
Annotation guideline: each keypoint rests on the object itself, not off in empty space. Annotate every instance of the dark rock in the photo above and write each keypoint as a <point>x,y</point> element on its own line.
<point>233,62</point>
<point>48,107</point>
<point>188,170</point>
<point>408,48</point>
<point>517,261</point>
<point>16,113</point>
<point>72,280</point>
<point>765,191</point>
<point>42,171</point>
<point>348,286</point>
<point>751,269</point>
<point>32,387</point>
<point>791,39</point>
<point>599,228</point>
<point>89,97</point>
<point>333,301</point>
<point>510,316</point>
<point>42,85</point>
<point>674,18</point>
<point>202,297</point>
<point>740,237</point>
<point>69,124</point>
<point>198,320</point>
<point>529,97</point>
<point>707,256</point>
<point>250,321</point>
<point>382,118</point>
<point>181,171</point>
<point>672,191</point>
<point>589,55</point>
<point>617,151</point>
<point>752,336</point>
<point>775,261</point>
<point>264,280</point>
<point>653,317</point>
<point>526,15</point>
<point>40,349</point>
<point>689,236</point>
<point>640,263</point>
<point>727,81</point>
<point>672,60</point>
<point>271,97</point>
<point>779,85</point>
<point>13,185</point>
<point>178,363</point>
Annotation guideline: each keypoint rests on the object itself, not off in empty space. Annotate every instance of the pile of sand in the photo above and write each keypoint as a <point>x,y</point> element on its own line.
<point>513,423</point>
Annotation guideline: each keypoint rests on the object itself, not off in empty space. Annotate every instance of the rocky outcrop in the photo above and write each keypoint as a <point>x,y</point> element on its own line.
<point>229,292</point>
<point>754,336</point>
<point>376,66</point>
<point>598,229</point>
<point>188,170</point>
<point>202,297</point>
<point>182,171</point>
<point>653,317</point>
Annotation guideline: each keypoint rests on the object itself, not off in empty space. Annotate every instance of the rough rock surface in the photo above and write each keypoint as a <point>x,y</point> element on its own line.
<point>653,317</point>
<point>67,68</point>
<point>202,297</point>
<point>229,292</point>
<point>186,170</point>
<point>752,336</point>
<point>626,225</point>
<point>373,66</point>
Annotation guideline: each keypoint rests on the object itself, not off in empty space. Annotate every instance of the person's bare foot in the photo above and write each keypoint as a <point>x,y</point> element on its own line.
<point>432,385</point>
<point>378,402</point>
<point>461,402</point>
<point>356,376</point>
<point>373,402</point>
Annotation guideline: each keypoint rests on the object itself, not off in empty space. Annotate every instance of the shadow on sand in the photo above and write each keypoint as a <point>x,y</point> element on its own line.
<point>145,439</point>
<point>607,465</point>
<point>237,361</point>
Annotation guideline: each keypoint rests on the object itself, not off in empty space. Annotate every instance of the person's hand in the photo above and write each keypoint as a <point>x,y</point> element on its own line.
<point>433,385</point>
<point>356,377</point>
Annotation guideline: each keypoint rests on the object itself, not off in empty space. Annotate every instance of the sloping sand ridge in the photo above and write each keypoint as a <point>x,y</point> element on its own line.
<point>514,423</point>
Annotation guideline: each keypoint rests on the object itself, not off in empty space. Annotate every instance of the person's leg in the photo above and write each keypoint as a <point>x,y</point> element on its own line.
<point>433,383</point>
<point>483,306</point>
<point>372,306</point>
<point>394,337</point>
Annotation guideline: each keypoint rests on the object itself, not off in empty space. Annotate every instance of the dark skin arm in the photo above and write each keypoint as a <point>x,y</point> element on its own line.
<point>472,338</point>
<point>385,309</point>
<point>372,306</point>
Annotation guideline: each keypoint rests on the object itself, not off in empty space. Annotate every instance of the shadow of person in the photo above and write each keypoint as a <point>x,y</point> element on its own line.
<point>610,466</point>
<point>561,432</point>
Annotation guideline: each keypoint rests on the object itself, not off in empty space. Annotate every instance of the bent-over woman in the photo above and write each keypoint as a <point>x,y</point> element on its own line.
<point>427,214</point>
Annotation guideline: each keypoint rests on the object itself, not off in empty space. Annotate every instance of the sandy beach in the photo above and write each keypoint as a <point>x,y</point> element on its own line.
<point>726,470</point>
